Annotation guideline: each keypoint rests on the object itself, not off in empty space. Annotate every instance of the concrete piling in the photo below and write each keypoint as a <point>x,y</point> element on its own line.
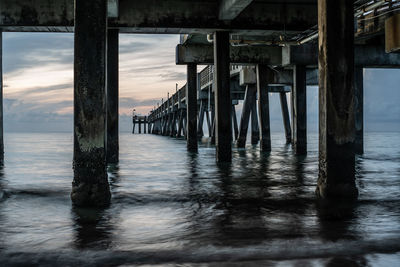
<point>173,124</point>
<point>208,122</point>
<point>249,98</point>
<point>255,130</point>
<point>299,110</point>
<point>201,120</point>
<point>191,103</point>
<point>112,96</point>
<point>285,117</point>
<point>264,76</point>
<point>359,109</point>
<point>90,186</point>
<point>234,121</point>
<point>336,100</point>
<point>223,102</point>
<point>212,133</point>
<point>180,123</point>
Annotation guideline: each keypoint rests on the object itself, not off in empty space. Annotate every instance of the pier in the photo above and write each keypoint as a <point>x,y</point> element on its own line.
<point>141,121</point>
<point>250,49</point>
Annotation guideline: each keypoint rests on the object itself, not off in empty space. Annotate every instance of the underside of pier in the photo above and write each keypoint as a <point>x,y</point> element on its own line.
<point>252,48</point>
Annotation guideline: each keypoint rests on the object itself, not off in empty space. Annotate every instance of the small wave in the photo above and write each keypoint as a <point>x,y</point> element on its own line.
<point>206,198</point>
<point>39,192</point>
<point>295,249</point>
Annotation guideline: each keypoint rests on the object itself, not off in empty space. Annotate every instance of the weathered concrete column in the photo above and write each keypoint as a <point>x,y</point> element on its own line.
<point>359,109</point>
<point>185,125</point>
<point>234,120</point>
<point>208,122</point>
<point>255,130</point>
<point>212,135</point>
<point>264,76</point>
<point>285,117</point>
<point>1,100</point>
<point>223,102</point>
<point>336,100</point>
<point>191,107</point>
<point>90,186</point>
<point>164,124</point>
<point>201,120</point>
<point>299,110</point>
<point>173,124</point>
<point>248,103</point>
<point>112,96</point>
<point>180,123</point>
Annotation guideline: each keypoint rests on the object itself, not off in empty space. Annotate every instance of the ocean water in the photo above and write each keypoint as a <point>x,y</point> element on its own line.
<point>170,207</point>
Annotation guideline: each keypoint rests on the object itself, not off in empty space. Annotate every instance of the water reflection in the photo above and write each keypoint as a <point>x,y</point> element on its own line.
<point>355,261</point>
<point>336,218</point>
<point>2,198</point>
<point>93,228</point>
<point>171,206</point>
<point>2,185</point>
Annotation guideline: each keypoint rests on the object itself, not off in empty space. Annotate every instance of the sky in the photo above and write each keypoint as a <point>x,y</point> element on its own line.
<point>38,83</point>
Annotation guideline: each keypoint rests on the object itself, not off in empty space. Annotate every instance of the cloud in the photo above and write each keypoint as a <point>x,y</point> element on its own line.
<point>29,50</point>
<point>173,76</point>
<point>38,82</point>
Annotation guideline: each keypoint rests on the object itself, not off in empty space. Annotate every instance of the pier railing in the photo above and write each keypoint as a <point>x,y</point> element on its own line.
<point>206,75</point>
<point>176,101</point>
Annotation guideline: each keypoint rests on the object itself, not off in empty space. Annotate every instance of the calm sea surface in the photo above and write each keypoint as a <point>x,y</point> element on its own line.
<point>170,207</point>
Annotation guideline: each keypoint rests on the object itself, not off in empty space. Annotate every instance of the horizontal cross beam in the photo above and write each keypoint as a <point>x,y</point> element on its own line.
<point>155,16</point>
<point>279,76</point>
<point>203,54</point>
<point>367,56</point>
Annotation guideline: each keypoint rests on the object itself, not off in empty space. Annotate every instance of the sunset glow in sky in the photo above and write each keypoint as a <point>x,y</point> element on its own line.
<point>38,82</point>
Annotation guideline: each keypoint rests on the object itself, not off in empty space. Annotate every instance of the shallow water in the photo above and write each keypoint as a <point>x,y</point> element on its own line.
<point>172,207</point>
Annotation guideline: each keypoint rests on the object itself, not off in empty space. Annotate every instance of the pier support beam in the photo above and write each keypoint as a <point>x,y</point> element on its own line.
<point>255,130</point>
<point>249,102</point>
<point>191,107</point>
<point>223,102</point>
<point>201,120</point>
<point>264,76</point>
<point>299,110</point>
<point>112,96</point>
<point>359,109</point>
<point>285,117</point>
<point>234,121</point>
<point>180,123</point>
<point>90,186</point>
<point>336,100</point>
<point>1,99</point>
<point>212,134</point>
<point>173,124</point>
